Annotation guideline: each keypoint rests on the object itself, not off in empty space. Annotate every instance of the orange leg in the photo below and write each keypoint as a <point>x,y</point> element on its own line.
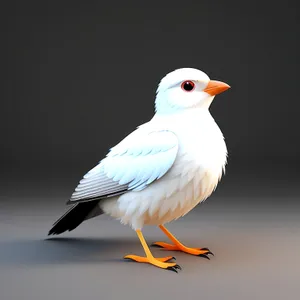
<point>160,262</point>
<point>177,246</point>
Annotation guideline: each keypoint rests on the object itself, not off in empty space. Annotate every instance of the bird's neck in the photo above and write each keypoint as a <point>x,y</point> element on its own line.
<point>164,107</point>
<point>184,116</point>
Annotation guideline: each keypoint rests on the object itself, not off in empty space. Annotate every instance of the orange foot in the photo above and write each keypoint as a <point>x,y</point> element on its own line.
<point>161,262</point>
<point>177,246</point>
<point>203,252</point>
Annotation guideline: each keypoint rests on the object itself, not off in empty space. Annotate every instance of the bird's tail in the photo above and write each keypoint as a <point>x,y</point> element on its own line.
<point>75,216</point>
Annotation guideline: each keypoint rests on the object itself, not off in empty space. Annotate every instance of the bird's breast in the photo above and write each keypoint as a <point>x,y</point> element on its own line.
<point>202,145</point>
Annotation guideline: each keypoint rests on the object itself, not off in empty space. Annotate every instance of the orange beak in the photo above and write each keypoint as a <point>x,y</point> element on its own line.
<point>216,87</point>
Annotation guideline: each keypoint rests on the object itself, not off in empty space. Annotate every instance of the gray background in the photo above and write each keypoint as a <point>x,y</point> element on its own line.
<point>78,77</point>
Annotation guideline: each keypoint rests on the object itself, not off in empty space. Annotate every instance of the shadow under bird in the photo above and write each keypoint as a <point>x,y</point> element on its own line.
<point>161,170</point>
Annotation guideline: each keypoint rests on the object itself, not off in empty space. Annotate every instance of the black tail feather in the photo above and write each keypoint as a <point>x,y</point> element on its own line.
<point>73,217</point>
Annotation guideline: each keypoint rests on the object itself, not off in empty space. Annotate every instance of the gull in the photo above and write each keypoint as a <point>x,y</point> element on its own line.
<point>160,171</point>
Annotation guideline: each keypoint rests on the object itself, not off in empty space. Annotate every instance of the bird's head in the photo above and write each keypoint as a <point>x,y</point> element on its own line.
<point>186,88</point>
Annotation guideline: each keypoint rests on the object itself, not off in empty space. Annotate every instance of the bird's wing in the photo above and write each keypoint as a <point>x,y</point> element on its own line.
<point>131,165</point>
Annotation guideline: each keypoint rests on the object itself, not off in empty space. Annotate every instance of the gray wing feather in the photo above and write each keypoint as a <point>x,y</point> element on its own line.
<point>131,165</point>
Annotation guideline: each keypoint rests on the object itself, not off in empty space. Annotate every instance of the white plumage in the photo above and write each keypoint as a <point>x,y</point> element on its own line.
<point>164,168</point>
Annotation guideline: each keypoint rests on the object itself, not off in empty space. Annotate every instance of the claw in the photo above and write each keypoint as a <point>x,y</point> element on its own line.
<point>204,249</point>
<point>208,251</point>
<point>174,268</point>
<point>204,255</point>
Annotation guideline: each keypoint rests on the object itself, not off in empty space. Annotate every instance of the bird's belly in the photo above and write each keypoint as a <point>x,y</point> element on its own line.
<point>183,200</point>
<point>162,202</point>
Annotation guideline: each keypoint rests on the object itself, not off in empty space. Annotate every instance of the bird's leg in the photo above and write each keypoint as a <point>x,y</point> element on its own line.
<point>177,246</point>
<point>149,258</point>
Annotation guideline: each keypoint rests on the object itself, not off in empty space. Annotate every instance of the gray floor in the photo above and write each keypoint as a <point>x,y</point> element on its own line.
<point>256,241</point>
<point>257,252</point>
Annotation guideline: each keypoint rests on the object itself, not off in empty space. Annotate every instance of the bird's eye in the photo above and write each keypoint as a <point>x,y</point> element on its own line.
<point>188,86</point>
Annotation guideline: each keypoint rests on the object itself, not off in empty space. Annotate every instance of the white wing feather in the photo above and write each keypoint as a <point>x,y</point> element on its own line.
<point>132,165</point>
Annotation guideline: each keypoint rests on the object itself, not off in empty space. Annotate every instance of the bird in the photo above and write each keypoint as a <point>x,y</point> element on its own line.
<point>160,171</point>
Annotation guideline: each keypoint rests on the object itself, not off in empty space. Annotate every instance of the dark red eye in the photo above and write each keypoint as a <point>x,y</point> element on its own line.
<point>188,85</point>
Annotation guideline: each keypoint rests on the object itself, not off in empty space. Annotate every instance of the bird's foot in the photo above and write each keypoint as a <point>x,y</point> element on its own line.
<point>160,262</point>
<point>202,252</point>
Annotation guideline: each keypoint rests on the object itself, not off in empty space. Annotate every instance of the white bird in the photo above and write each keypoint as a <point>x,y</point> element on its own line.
<point>161,170</point>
